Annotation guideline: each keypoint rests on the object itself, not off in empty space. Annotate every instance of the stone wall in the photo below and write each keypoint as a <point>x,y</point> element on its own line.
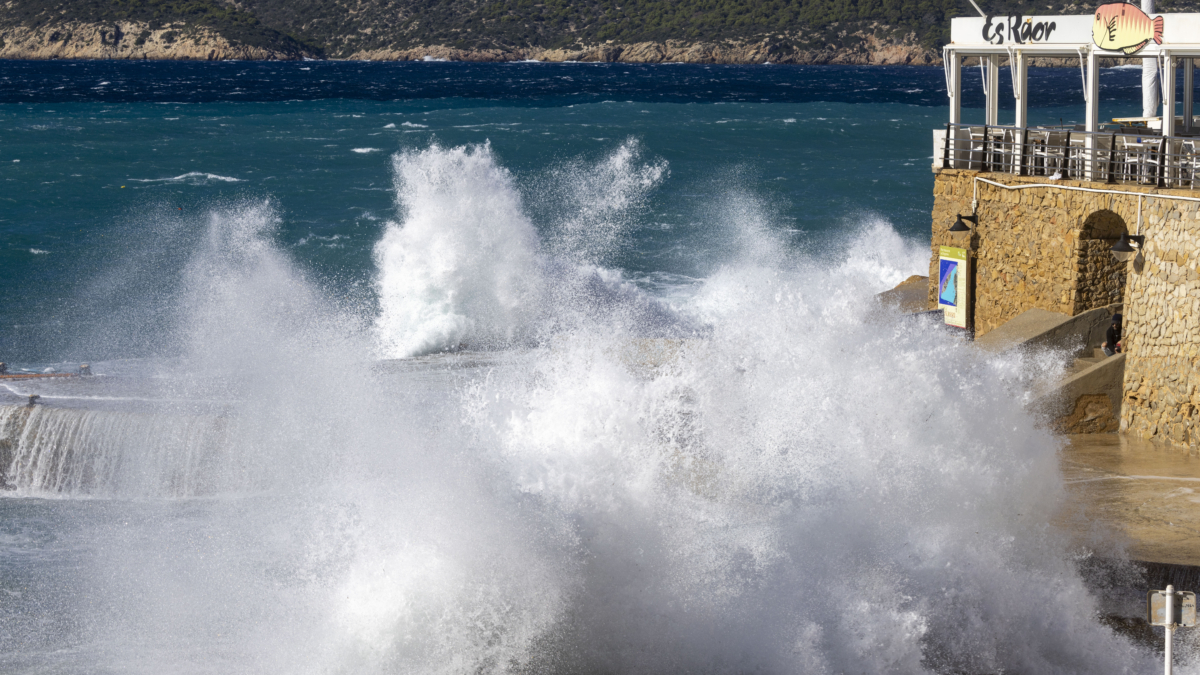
<point>1162,328</point>
<point>1035,247</point>
<point>1048,248</point>
<point>1099,278</point>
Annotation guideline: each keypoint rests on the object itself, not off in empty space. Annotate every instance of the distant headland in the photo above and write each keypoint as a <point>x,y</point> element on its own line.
<point>637,31</point>
<point>889,32</point>
<point>76,40</point>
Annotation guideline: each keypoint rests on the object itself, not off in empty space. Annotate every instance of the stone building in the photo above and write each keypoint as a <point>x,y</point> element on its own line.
<point>1051,201</point>
<point>1047,245</point>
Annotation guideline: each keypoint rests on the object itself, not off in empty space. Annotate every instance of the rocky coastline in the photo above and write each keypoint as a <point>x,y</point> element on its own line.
<point>180,42</point>
<point>869,51</point>
<point>131,40</point>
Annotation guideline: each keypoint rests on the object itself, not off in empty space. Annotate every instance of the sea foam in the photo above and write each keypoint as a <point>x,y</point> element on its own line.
<point>192,177</point>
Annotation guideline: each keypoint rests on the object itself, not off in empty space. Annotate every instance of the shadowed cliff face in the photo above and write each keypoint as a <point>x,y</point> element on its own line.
<point>869,51</point>
<point>96,41</point>
<point>129,40</point>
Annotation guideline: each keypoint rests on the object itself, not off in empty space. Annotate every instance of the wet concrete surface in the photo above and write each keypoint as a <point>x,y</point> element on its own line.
<point>1135,495</point>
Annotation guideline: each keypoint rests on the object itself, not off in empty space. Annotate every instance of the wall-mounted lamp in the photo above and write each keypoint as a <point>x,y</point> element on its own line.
<point>960,226</point>
<point>1124,250</point>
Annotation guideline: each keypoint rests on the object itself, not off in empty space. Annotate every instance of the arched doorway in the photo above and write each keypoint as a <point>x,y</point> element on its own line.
<point>1099,277</point>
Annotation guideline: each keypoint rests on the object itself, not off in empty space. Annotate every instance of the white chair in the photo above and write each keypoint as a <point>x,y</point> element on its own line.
<point>1181,167</point>
<point>1156,161</point>
<point>1006,155</point>
<point>1050,157</point>
<point>977,144</point>
<point>1077,156</point>
<point>1136,153</point>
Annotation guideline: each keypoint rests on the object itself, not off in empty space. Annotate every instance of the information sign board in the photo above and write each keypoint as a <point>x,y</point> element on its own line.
<point>954,277</point>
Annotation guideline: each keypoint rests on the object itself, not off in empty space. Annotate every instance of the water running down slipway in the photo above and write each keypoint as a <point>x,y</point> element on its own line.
<point>762,473</point>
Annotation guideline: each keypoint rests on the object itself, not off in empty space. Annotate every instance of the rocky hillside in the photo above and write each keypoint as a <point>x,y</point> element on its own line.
<point>140,29</point>
<point>638,31</point>
<point>805,31</point>
<point>873,44</point>
<point>133,40</point>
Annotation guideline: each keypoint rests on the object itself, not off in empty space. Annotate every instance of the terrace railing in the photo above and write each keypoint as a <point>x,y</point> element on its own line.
<point>1063,153</point>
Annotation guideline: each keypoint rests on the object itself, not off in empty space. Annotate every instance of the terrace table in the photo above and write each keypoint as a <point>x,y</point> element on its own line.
<point>1135,121</point>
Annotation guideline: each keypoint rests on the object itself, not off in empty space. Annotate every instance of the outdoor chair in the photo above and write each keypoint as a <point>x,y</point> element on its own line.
<point>1050,156</point>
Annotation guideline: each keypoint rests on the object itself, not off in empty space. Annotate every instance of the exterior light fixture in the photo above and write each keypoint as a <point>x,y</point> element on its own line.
<point>960,226</point>
<point>1124,249</point>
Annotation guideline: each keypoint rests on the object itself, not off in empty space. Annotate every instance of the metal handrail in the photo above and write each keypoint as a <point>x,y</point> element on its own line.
<point>1110,157</point>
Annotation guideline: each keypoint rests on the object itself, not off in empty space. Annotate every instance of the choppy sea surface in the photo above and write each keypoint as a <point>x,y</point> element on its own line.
<point>475,368</point>
<point>93,153</point>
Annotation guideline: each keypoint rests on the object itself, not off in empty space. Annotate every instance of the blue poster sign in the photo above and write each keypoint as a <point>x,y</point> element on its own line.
<point>947,284</point>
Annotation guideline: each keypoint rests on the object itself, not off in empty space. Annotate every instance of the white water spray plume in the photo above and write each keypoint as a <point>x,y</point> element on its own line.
<point>466,269</point>
<point>464,264</point>
<point>772,474</point>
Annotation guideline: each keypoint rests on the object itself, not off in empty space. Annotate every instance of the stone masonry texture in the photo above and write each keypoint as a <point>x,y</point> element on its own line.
<point>1035,247</point>
<point>1161,334</point>
<point>1048,248</point>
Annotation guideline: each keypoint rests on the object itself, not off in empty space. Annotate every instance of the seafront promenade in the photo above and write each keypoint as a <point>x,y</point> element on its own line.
<point>1127,492</point>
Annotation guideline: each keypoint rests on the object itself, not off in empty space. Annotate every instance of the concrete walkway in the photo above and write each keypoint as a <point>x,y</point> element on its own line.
<point>1143,495</point>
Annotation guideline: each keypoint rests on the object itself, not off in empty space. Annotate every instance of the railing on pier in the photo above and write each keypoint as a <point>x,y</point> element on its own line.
<point>1064,153</point>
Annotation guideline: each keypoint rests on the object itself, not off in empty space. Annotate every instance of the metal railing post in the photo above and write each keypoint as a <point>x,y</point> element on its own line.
<point>987,164</point>
<point>1112,158</point>
<point>946,148</point>
<point>1162,160</point>
<point>1067,156</point>
<point>1021,170</point>
<point>1170,627</point>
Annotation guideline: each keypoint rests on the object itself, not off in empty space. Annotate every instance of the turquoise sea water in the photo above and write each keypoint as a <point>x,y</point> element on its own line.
<point>112,151</point>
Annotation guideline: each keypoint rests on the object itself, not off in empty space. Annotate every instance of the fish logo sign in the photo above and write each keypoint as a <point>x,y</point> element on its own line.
<point>1123,27</point>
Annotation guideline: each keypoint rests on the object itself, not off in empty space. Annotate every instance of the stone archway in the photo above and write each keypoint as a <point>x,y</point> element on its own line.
<point>1104,224</point>
<point>1099,277</point>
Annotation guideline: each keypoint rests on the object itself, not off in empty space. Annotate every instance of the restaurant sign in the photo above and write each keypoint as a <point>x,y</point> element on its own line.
<point>1120,28</point>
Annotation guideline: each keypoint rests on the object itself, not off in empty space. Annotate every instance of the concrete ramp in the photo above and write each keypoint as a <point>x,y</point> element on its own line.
<point>1088,402</point>
<point>1021,329</point>
<point>1039,328</point>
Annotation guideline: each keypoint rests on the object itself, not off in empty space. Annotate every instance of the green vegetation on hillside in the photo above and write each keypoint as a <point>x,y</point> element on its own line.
<point>345,26</point>
<point>474,24</point>
<point>342,27</point>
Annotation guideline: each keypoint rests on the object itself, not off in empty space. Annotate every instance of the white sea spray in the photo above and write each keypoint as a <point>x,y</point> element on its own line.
<point>776,474</point>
